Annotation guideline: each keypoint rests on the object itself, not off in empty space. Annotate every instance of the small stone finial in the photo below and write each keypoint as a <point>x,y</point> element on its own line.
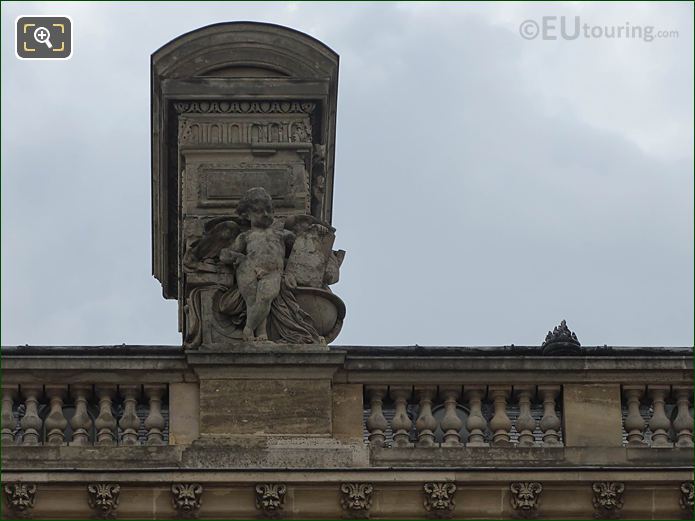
<point>561,341</point>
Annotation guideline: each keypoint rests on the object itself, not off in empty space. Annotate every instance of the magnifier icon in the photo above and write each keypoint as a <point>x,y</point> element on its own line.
<point>42,35</point>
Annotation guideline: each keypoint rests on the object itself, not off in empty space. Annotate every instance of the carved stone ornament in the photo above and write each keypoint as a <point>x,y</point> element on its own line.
<point>525,498</point>
<point>608,499</point>
<point>186,499</point>
<point>20,498</point>
<point>270,499</point>
<point>356,499</point>
<point>686,499</point>
<point>439,499</point>
<point>244,107</point>
<point>561,341</point>
<point>103,499</point>
<point>270,278</point>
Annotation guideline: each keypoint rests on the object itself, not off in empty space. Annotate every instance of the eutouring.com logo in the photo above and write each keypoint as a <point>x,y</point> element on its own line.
<point>572,28</point>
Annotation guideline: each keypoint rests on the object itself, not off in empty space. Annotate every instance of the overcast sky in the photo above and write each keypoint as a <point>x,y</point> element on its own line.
<point>486,186</point>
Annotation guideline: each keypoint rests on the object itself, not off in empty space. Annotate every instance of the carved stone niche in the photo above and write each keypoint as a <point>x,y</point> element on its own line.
<point>237,106</point>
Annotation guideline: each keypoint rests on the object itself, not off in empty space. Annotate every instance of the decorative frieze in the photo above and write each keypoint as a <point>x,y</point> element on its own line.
<point>525,498</point>
<point>245,107</point>
<point>103,498</point>
<point>356,499</point>
<point>243,131</point>
<point>20,498</point>
<point>270,499</point>
<point>186,499</point>
<point>439,499</point>
<point>608,499</point>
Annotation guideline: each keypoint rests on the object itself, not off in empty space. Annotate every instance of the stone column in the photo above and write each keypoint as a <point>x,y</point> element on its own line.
<point>81,423</point>
<point>475,423</point>
<point>105,423</point>
<point>659,422</point>
<point>31,422</point>
<point>401,423</point>
<point>9,394</point>
<point>376,423</point>
<point>500,424</point>
<point>634,423</point>
<point>451,423</point>
<point>155,423</point>
<point>683,424</point>
<point>550,423</point>
<point>55,422</point>
<point>129,422</point>
<point>525,424</point>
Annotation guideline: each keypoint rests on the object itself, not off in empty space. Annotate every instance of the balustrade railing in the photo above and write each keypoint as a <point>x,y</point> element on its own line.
<point>658,416</point>
<point>81,415</point>
<point>463,415</point>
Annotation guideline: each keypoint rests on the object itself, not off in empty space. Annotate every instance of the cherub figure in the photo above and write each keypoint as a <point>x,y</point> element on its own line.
<point>259,257</point>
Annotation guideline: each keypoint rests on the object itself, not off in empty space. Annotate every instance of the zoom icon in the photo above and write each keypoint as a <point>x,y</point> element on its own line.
<point>44,38</point>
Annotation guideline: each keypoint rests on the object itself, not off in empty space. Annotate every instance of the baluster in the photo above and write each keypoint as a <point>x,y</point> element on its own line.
<point>129,422</point>
<point>451,423</point>
<point>500,424</point>
<point>550,423</point>
<point>154,423</point>
<point>55,423</point>
<point>659,423</point>
<point>376,423</point>
<point>401,423</point>
<point>31,422</point>
<point>475,423</point>
<point>634,423</point>
<point>105,423</point>
<point>683,424</point>
<point>81,423</point>
<point>9,393</point>
<point>525,424</point>
<point>426,423</point>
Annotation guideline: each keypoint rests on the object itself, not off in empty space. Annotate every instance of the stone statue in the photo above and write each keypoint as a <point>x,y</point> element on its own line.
<point>268,279</point>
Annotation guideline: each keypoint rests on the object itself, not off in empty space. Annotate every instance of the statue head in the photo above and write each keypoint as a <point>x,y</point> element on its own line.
<point>256,206</point>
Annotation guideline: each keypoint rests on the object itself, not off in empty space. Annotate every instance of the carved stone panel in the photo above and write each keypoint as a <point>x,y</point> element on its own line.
<point>270,499</point>
<point>686,499</point>
<point>608,499</point>
<point>439,499</point>
<point>103,498</point>
<point>20,498</point>
<point>525,498</point>
<point>356,499</point>
<point>186,499</point>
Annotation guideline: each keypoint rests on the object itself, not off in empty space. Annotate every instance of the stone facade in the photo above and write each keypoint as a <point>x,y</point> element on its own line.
<point>255,415</point>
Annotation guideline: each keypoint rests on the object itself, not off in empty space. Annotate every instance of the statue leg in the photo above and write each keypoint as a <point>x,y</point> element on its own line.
<point>268,290</point>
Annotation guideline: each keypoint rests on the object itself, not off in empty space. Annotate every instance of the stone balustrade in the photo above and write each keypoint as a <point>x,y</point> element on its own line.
<point>658,416</point>
<point>456,415</point>
<point>84,414</point>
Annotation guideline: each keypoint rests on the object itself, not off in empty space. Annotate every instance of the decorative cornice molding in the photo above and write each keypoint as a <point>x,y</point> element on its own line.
<point>244,107</point>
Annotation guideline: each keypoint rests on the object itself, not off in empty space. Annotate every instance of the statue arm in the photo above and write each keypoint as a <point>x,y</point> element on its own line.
<point>236,251</point>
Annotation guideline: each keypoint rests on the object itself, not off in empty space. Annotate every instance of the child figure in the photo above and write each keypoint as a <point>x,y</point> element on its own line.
<point>259,255</point>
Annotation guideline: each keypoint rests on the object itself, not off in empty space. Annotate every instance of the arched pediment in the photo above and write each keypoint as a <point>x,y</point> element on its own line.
<point>245,46</point>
